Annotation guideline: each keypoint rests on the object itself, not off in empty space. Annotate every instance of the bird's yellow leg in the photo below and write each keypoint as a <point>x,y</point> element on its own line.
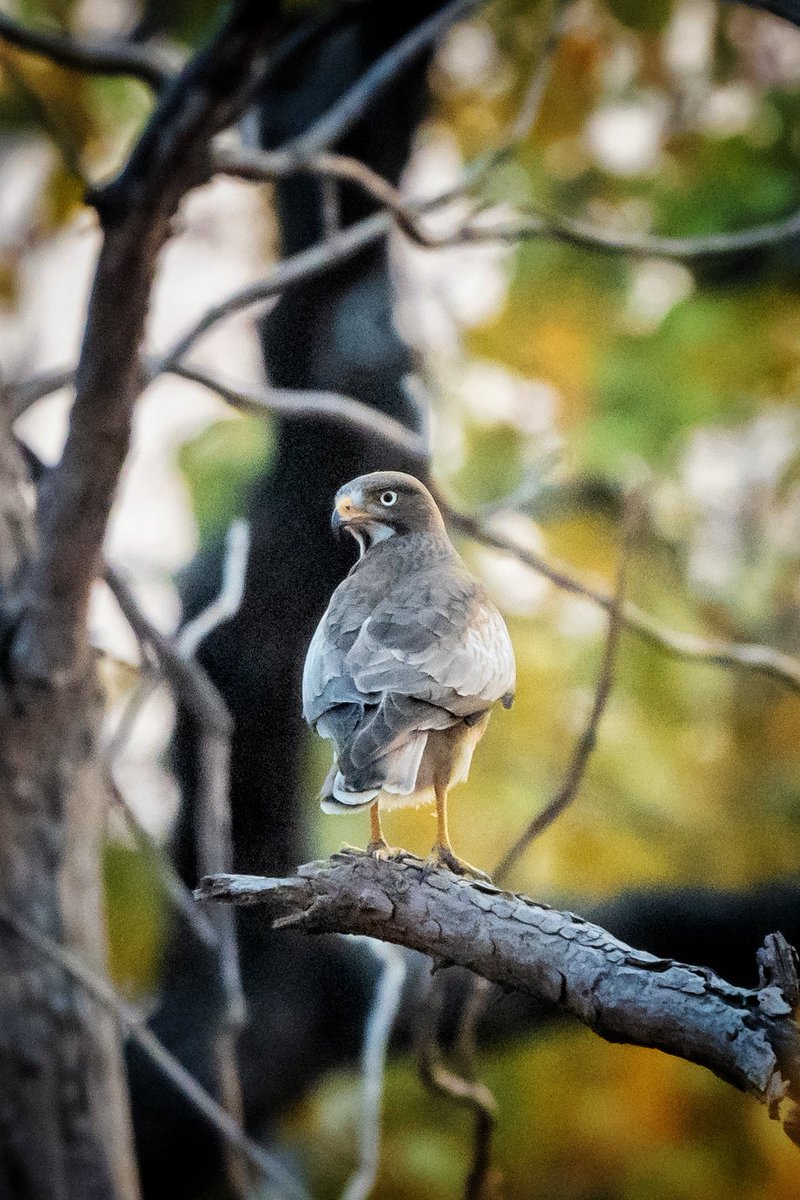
<point>442,854</point>
<point>378,846</point>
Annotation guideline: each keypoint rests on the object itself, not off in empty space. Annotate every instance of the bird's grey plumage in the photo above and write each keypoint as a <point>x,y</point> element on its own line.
<point>410,644</point>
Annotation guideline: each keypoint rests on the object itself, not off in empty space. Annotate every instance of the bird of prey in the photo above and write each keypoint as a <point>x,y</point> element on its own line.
<point>407,662</point>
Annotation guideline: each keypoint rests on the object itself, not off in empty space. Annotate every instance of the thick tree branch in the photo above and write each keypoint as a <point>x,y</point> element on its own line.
<point>115,57</point>
<point>135,210</point>
<point>747,1037</point>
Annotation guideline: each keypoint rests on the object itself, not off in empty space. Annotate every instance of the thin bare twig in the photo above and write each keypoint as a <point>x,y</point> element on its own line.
<point>322,257</point>
<point>303,406</point>
<point>113,57</point>
<point>214,843</point>
<point>461,1087</point>
<point>213,831</point>
<point>227,603</point>
<point>299,268</point>
<point>464,1086</point>
<point>346,112</point>
<point>214,836</point>
<point>533,223</point>
<point>262,166</point>
<point>354,414</point>
<point>478,990</point>
<point>296,269</point>
<point>174,887</point>
<point>132,1022</point>
<point>201,699</point>
<point>689,647</point>
<point>27,392</point>
<point>191,683</point>
<point>373,1062</point>
<point>144,688</point>
<point>579,761</point>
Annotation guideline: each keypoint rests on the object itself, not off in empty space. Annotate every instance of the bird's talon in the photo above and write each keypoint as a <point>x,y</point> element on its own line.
<point>382,852</point>
<point>443,856</point>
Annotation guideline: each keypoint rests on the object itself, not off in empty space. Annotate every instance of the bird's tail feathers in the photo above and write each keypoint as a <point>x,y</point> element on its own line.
<point>336,798</point>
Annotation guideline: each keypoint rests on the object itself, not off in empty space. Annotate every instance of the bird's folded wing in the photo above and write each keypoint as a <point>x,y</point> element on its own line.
<point>437,638</point>
<point>326,679</point>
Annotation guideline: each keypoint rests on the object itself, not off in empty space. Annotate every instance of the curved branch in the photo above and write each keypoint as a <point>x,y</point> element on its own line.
<point>748,1037</point>
<point>136,211</point>
<point>298,268</point>
<point>115,57</point>
<point>297,405</point>
<point>262,166</point>
<point>533,223</point>
<point>687,646</point>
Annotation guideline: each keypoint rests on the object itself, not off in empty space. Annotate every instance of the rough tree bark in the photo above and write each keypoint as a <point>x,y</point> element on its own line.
<point>748,1037</point>
<point>63,1109</point>
<point>62,1114</point>
<point>64,1125</point>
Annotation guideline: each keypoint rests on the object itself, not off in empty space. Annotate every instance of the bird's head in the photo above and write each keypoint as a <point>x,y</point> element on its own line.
<point>384,504</point>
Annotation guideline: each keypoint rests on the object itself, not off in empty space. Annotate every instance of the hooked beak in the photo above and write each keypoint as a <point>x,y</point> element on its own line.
<point>344,512</point>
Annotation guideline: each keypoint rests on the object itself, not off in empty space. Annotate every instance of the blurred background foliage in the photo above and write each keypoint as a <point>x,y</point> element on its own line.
<point>585,374</point>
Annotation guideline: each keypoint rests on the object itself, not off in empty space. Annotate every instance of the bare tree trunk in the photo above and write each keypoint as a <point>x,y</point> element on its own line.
<point>64,1123</point>
<point>64,1119</point>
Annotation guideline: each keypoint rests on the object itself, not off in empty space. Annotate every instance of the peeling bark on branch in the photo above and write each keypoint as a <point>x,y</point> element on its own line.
<point>747,1037</point>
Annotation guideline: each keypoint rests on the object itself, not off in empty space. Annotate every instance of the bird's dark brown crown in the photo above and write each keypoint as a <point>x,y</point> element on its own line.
<point>389,498</point>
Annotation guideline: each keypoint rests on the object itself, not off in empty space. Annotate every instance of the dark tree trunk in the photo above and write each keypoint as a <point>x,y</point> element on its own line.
<point>64,1126</point>
<point>308,1002</point>
<point>334,333</point>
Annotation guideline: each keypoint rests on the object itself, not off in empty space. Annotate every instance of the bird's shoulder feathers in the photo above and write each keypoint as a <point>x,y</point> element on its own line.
<point>412,621</point>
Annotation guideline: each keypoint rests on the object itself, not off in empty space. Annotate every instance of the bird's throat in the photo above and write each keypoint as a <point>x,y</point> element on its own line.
<point>370,535</point>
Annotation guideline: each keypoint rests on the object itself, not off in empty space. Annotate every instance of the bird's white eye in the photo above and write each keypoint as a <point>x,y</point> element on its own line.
<point>388,499</point>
